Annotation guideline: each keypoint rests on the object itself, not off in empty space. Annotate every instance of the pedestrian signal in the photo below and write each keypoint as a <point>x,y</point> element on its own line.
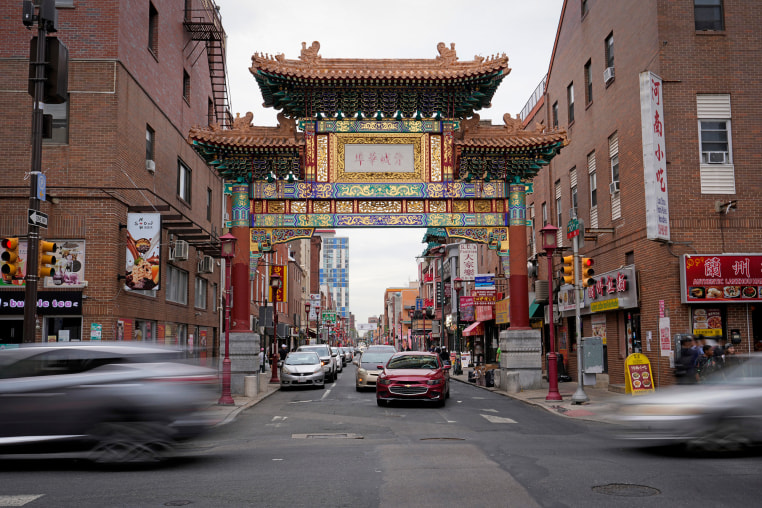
<point>587,272</point>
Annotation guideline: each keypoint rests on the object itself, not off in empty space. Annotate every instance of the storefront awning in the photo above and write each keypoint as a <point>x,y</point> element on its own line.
<point>536,310</point>
<point>475,328</point>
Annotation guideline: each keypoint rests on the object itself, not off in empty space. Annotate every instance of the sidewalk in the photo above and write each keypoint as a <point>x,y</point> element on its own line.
<point>599,407</point>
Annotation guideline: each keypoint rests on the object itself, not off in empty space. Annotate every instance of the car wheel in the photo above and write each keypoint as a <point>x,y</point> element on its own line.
<point>358,389</point>
<point>447,395</point>
<point>322,386</point>
<point>381,403</point>
<point>120,442</point>
<point>726,436</point>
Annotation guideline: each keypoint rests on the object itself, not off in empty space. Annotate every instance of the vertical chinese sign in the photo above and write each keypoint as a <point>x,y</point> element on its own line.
<point>654,156</point>
<point>281,295</point>
<point>468,261</point>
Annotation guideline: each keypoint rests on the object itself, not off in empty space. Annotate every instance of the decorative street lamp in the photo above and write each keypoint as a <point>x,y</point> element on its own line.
<point>458,284</point>
<point>275,284</point>
<point>307,308</point>
<point>228,252</point>
<point>549,244</point>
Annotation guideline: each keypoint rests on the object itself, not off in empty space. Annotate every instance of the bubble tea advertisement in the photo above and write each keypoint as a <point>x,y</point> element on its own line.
<point>143,251</point>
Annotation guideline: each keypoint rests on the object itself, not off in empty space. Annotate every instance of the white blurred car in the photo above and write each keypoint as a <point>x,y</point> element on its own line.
<point>723,413</point>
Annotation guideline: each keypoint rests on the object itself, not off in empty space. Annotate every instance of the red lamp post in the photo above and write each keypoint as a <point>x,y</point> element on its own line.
<point>228,252</point>
<point>307,307</point>
<point>275,284</point>
<point>549,244</point>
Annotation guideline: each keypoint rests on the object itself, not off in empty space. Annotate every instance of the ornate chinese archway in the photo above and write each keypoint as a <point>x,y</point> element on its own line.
<point>378,143</point>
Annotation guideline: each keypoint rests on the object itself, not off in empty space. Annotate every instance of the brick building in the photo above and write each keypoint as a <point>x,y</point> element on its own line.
<point>660,101</point>
<point>140,74</point>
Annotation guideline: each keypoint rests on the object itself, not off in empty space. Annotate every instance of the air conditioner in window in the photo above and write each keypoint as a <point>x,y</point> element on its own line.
<point>206,265</point>
<point>714,157</point>
<point>614,187</point>
<point>150,166</point>
<point>608,74</point>
<point>180,252</point>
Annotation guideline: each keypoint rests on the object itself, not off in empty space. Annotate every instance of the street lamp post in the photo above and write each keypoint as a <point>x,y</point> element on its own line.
<point>549,245</point>
<point>307,307</point>
<point>458,287</point>
<point>275,283</point>
<point>228,242</point>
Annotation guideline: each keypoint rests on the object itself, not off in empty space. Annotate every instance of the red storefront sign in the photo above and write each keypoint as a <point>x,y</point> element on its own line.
<point>713,278</point>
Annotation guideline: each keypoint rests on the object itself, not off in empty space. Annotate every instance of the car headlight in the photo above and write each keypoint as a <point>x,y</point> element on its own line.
<point>325,362</point>
<point>286,370</point>
<point>384,381</point>
<point>435,382</point>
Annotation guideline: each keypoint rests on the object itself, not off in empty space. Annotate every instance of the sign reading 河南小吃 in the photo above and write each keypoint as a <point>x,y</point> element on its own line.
<point>654,156</point>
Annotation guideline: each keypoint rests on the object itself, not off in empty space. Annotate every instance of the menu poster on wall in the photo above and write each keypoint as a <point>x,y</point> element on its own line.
<point>69,266</point>
<point>599,328</point>
<point>707,322</point>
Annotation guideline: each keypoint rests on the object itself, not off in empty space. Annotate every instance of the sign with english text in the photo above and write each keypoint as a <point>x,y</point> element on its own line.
<point>468,261</point>
<point>716,278</point>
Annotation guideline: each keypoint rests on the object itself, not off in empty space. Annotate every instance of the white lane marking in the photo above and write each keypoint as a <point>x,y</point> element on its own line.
<point>19,500</point>
<point>497,419</point>
<point>325,394</point>
<point>275,418</point>
<point>299,401</point>
<point>277,421</point>
<point>276,460</point>
<point>490,410</point>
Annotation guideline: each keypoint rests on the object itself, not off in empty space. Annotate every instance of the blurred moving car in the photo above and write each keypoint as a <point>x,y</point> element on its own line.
<point>724,413</point>
<point>367,368</point>
<point>302,368</point>
<point>106,402</point>
<point>347,351</point>
<point>413,375</point>
<point>339,357</point>
<point>326,357</point>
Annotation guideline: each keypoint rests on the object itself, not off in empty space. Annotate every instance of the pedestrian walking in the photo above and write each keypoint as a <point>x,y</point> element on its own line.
<point>262,362</point>
<point>706,363</point>
<point>685,366</point>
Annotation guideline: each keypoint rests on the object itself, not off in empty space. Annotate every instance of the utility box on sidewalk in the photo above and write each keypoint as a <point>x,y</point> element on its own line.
<point>592,359</point>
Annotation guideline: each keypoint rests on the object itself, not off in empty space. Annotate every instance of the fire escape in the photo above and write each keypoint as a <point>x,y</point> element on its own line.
<point>203,22</point>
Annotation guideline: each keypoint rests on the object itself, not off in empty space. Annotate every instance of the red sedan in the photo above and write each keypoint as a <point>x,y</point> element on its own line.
<point>413,375</point>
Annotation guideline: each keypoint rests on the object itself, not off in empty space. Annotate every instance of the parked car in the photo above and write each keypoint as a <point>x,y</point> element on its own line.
<point>368,368</point>
<point>339,357</point>
<point>723,413</point>
<point>302,368</point>
<point>381,347</point>
<point>327,359</point>
<point>413,375</point>
<point>102,401</point>
<point>347,351</point>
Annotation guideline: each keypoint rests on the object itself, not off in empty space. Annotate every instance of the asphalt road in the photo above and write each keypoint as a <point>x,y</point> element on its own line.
<point>335,447</point>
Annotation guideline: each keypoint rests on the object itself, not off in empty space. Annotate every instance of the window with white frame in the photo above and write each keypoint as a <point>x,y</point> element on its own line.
<point>544,214</point>
<point>593,180</point>
<point>555,114</point>
<point>199,298</point>
<point>570,101</point>
<point>614,157</point>
<point>573,186</point>
<point>183,181</point>
<point>715,144</point>
<point>559,213</point>
<point>715,141</point>
<point>177,285</point>
<point>609,50</point>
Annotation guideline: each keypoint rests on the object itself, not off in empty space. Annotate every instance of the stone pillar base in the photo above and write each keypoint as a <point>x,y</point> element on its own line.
<point>521,352</point>
<point>244,358</point>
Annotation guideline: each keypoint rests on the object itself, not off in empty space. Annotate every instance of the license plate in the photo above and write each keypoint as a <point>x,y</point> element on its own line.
<point>300,380</point>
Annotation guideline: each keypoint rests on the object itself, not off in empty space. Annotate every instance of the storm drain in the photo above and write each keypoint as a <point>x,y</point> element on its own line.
<point>326,436</point>
<point>626,490</point>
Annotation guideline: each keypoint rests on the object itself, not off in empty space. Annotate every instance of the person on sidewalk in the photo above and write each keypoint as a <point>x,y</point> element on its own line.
<point>262,362</point>
<point>685,366</point>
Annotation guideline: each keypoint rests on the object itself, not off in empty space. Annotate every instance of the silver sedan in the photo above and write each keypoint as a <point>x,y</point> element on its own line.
<point>302,369</point>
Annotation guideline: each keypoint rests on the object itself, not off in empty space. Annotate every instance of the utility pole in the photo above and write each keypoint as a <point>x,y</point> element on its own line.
<point>579,395</point>
<point>46,19</point>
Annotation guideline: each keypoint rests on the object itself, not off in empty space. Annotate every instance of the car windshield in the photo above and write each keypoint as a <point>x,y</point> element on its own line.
<point>413,362</point>
<point>306,358</point>
<point>378,358</point>
<point>320,350</point>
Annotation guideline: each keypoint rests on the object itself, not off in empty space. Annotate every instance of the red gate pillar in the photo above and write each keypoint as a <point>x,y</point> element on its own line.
<point>240,270</point>
<point>517,242</point>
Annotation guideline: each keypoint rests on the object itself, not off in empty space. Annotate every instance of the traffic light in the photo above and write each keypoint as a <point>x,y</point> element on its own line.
<point>10,257</point>
<point>568,270</point>
<point>587,272</point>
<point>46,259</point>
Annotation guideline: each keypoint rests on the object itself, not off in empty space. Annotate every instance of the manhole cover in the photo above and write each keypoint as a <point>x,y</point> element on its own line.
<point>626,490</point>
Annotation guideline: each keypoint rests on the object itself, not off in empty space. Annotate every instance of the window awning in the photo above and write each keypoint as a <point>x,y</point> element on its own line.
<point>475,328</point>
<point>537,310</point>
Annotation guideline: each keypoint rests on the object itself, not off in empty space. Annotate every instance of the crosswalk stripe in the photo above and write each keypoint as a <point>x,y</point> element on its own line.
<point>497,419</point>
<point>19,500</point>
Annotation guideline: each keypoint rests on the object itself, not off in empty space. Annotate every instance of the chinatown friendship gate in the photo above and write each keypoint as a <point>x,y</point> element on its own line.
<point>378,143</point>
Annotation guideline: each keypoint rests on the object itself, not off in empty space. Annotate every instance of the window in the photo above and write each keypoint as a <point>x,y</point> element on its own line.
<point>559,215</point>
<point>60,131</point>
<point>614,156</point>
<point>593,180</point>
<point>585,7</point>
<point>208,204</point>
<point>183,182</point>
<point>211,115</point>
<point>199,300</point>
<point>177,285</point>
<point>588,82</point>
<point>570,100</point>
<point>708,15</point>
<point>544,214</point>
<point>574,198</point>
<point>715,141</point>
<point>555,114</point>
<point>153,30</point>
<point>186,86</point>
<point>216,296</point>
<point>150,135</point>
<point>609,50</point>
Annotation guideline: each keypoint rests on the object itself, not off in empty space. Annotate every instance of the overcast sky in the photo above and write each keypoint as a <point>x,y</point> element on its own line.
<point>523,30</point>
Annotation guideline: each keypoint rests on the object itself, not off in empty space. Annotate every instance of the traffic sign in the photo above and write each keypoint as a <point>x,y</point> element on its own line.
<point>572,229</point>
<point>37,218</point>
<point>41,186</point>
